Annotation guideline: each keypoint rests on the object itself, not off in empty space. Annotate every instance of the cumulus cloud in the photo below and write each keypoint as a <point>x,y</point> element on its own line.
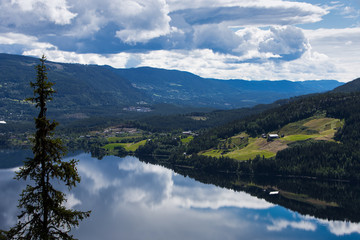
<point>132,21</point>
<point>217,37</point>
<point>25,12</point>
<point>257,39</point>
<point>286,41</point>
<point>144,21</point>
<point>137,22</point>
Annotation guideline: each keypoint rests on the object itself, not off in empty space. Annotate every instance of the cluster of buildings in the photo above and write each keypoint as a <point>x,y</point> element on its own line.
<point>137,109</point>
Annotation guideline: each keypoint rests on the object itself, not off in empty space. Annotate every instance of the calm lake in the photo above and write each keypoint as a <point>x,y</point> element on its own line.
<point>131,199</point>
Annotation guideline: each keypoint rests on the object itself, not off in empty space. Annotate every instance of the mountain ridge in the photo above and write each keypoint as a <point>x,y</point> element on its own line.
<point>160,85</point>
<point>91,90</point>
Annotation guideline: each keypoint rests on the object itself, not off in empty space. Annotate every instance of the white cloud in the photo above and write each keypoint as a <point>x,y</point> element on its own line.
<point>277,42</point>
<point>28,42</point>
<point>215,198</point>
<point>286,40</point>
<point>339,45</point>
<point>156,187</point>
<point>279,225</point>
<point>72,201</point>
<point>138,21</point>
<point>142,20</point>
<point>247,13</point>
<point>350,12</point>
<point>56,11</point>
<point>135,21</point>
<point>343,228</point>
<point>99,180</point>
<point>217,37</point>
<point>338,228</point>
<point>207,63</point>
<point>116,60</point>
<point>88,23</point>
<point>202,196</point>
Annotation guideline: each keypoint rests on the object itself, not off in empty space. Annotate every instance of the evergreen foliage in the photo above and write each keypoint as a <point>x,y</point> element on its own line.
<point>43,214</point>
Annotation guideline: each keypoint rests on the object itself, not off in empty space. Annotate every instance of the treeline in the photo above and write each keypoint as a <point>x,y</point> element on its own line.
<point>315,158</point>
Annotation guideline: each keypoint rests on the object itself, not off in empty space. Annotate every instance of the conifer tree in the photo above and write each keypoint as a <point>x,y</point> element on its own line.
<point>43,214</point>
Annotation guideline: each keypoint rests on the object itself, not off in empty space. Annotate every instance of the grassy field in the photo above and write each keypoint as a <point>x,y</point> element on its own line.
<point>130,147</point>
<point>118,139</point>
<point>242,147</point>
<point>295,138</point>
<point>254,147</point>
<point>187,140</point>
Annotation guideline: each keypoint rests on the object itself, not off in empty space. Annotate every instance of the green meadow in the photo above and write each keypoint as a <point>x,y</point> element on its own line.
<point>130,147</point>
<point>242,147</point>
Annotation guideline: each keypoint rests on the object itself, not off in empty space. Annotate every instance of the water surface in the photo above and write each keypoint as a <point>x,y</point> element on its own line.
<point>130,199</point>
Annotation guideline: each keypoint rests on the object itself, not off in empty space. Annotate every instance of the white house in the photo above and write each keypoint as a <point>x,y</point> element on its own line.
<point>273,135</point>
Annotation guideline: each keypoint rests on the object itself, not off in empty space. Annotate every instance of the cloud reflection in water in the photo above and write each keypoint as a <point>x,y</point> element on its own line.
<point>154,186</point>
<point>133,200</point>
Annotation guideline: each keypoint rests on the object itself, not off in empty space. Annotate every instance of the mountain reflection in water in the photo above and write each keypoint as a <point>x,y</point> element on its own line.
<point>130,199</point>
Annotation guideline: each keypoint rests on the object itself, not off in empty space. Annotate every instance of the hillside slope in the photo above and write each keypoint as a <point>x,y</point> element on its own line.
<point>80,88</point>
<point>353,86</point>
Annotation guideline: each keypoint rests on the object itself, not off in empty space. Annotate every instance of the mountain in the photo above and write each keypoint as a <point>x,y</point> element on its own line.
<point>178,87</point>
<point>353,86</point>
<point>91,90</point>
<point>82,90</point>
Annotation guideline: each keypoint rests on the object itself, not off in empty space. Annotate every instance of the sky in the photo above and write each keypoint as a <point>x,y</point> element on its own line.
<point>225,39</point>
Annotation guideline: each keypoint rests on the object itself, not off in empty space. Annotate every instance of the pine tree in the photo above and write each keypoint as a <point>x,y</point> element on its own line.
<point>43,214</point>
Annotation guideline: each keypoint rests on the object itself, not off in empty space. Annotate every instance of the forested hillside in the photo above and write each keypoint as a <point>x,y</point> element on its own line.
<point>328,158</point>
<point>335,105</point>
<point>353,86</point>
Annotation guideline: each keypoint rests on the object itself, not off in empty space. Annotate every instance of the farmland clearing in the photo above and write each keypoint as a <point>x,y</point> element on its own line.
<point>242,147</point>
